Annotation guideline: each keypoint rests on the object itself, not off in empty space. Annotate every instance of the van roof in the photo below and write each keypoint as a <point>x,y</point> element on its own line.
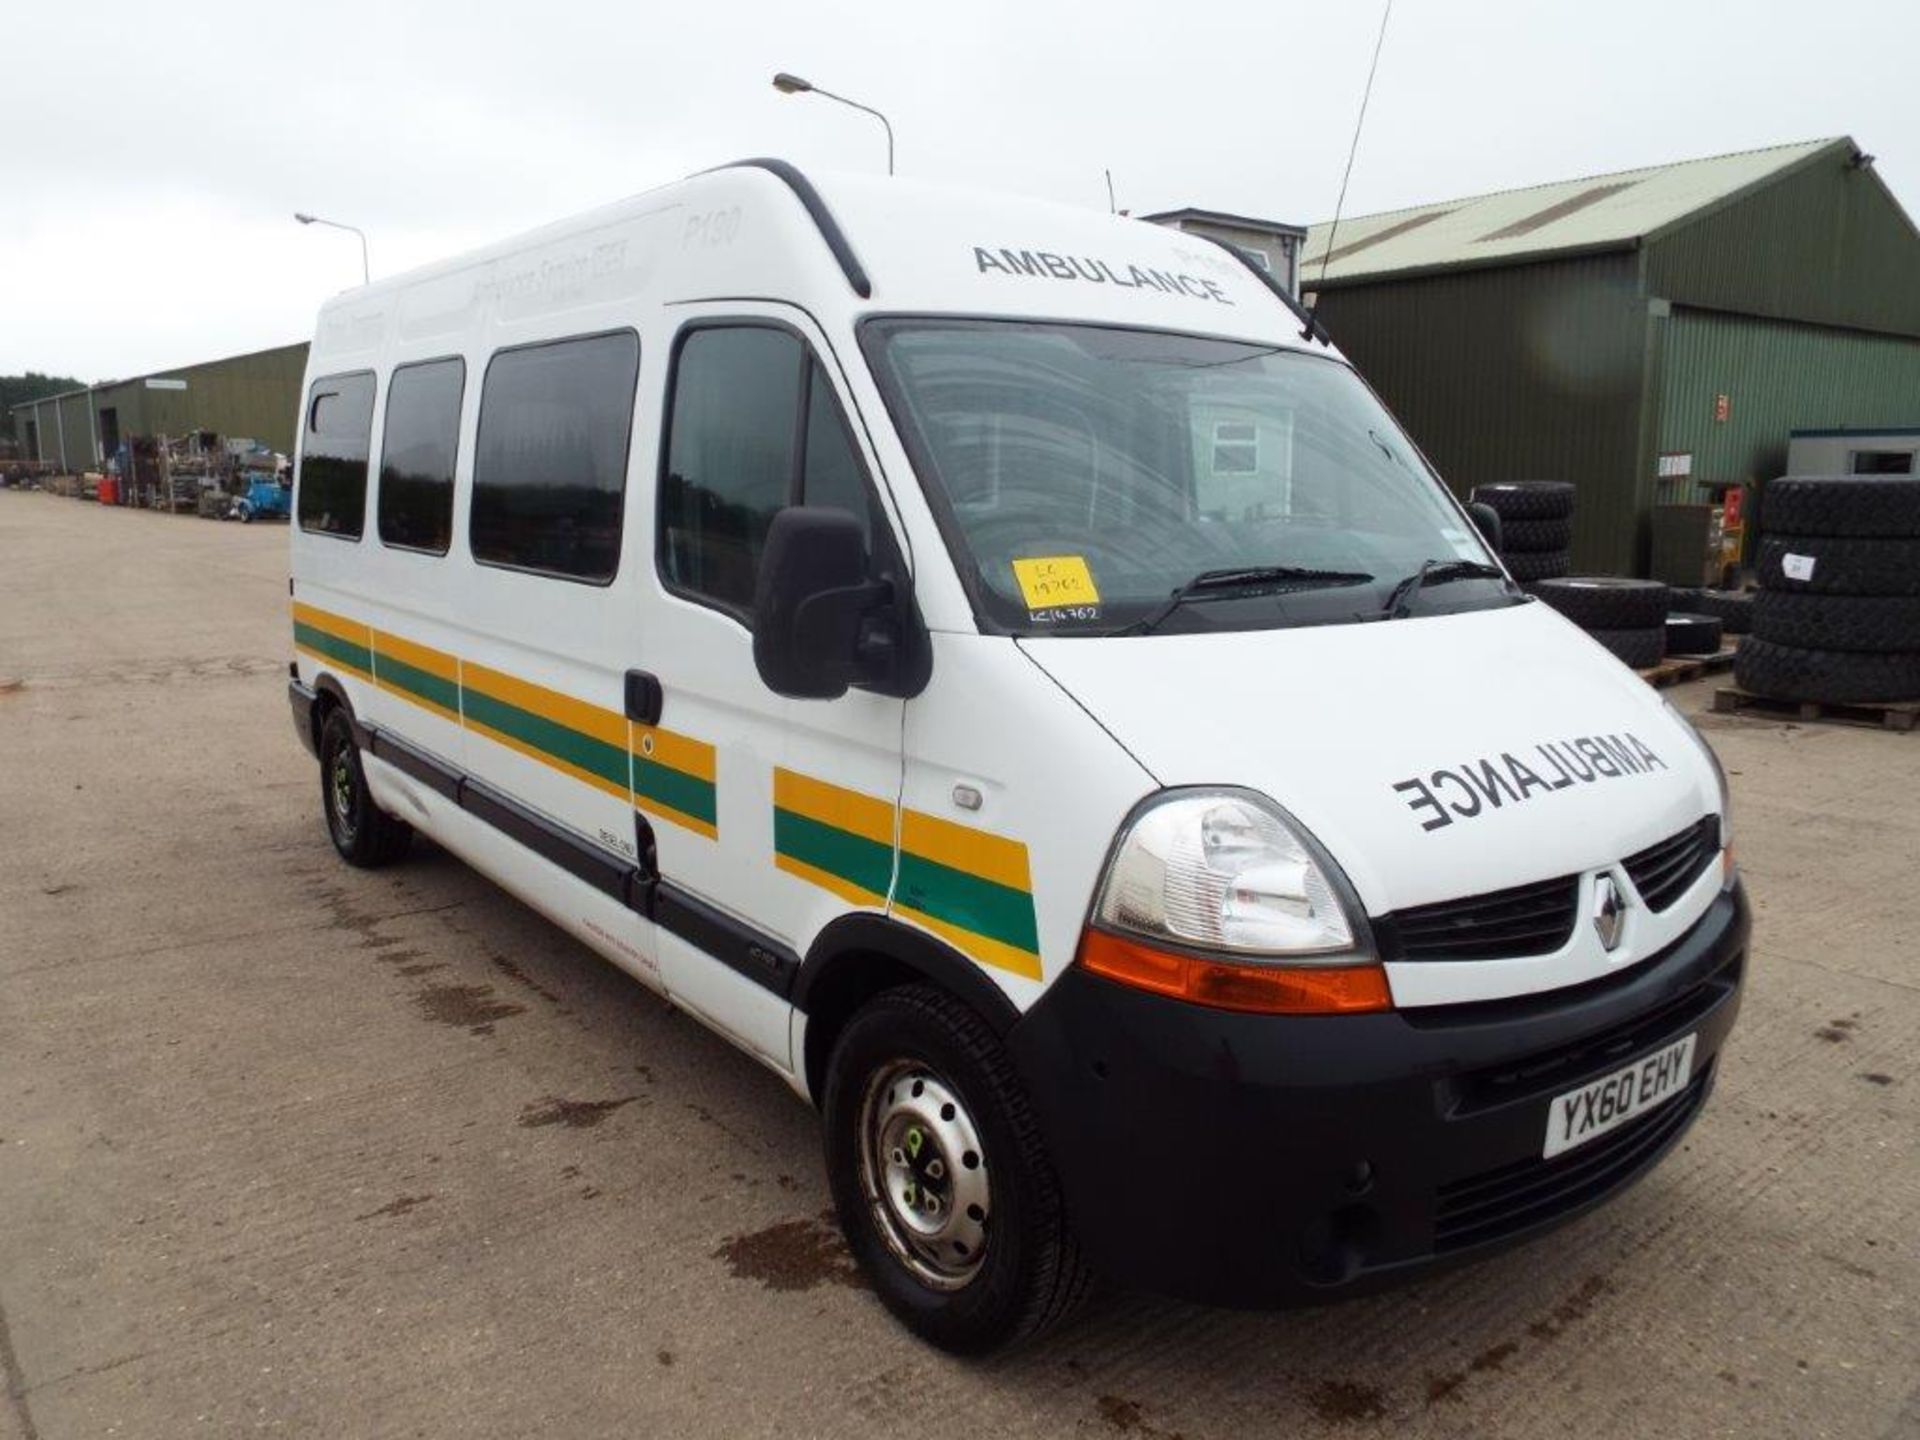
<point>839,245</point>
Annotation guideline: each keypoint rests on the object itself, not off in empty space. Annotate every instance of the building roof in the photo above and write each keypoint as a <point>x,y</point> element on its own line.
<point>1221,217</point>
<point>1596,212</point>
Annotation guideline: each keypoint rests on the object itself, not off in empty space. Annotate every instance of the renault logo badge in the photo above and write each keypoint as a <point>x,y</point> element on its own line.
<point>1609,911</point>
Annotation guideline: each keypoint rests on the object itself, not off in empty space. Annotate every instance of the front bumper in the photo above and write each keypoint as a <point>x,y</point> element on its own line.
<point>1258,1160</point>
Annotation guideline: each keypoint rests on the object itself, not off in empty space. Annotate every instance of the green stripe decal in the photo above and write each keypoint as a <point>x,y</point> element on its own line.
<point>675,789</point>
<point>562,742</point>
<point>424,683</point>
<point>332,646</point>
<point>985,907</point>
<point>854,858</point>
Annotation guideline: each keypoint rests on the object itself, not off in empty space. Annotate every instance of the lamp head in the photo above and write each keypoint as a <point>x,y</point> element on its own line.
<point>791,84</point>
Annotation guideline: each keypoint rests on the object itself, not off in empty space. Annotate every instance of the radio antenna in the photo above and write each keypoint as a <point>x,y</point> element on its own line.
<point>1113,206</point>
<point>1334,230</point>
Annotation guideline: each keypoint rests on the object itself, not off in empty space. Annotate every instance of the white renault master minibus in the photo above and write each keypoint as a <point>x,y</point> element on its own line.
<point>986,661</point>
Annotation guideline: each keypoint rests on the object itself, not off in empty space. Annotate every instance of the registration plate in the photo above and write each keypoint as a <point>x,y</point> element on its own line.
<point>1608,1103</point>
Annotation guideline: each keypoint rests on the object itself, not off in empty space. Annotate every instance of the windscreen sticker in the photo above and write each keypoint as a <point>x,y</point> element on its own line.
<point>1057,587</point>
<point>1473,788</point>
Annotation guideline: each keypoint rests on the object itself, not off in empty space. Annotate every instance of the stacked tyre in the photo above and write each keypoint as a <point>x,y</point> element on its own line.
<point>1732,608</point>
<point>1837,619</point>
<point>1536,525</point>
<point>1629,617</point>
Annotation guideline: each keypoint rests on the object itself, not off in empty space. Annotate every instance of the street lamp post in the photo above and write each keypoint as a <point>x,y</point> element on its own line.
<point>366,268</point>
<point>793,85</point>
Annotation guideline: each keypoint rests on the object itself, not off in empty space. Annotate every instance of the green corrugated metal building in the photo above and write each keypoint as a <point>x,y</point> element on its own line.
<point>1678,320</point>
<point>255,396</point>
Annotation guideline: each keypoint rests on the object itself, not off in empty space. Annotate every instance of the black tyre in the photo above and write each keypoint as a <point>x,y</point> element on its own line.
<point>942,1183</point>
<point>1838,677</point>
<point>1693,634</point>
<point>1840,566</point>
<point>1530,565</point>
<point>1638,648</point>
<point>1883,506</point>
<point>1732,608</point>
<point>1878,624</point>
<point>1529,536</point>
<point>1607,602</point>
<point>363,833</point>
<point>1527,499</point>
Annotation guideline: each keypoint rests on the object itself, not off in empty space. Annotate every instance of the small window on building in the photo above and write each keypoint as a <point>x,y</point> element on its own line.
<point>1236,448</point>
<point>332,485</point>
<point>418,445</point>
<point>755,427</point>
<point>550,457</point>
<point>1883,462</point>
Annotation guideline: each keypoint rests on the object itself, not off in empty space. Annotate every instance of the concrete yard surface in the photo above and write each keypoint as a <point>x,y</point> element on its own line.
<point>293,1148</point>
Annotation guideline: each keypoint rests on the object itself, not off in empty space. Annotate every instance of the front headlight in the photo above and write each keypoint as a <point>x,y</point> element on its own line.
<point>1218,897</point>
<point>1222,870</point>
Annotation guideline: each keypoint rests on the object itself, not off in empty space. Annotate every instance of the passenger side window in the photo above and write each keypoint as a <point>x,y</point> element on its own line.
<point>418,446</point>
<point>755,427</point>
<point>550,458</point>
<point>333,456</point>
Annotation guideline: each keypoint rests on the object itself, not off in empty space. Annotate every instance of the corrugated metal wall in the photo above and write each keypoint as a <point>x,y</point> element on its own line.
<point>256,396</point>
<point>1525,372</point>
<point>1777,376</point>
<point>1824,243</point>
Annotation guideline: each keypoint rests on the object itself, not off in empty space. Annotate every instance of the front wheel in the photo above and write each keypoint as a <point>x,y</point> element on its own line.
<point>940,1177</point>
<point>363,833</point>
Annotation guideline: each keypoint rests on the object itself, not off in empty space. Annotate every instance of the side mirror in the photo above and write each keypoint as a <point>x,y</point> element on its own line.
<point>820,622</point>
<point>1486,520</point>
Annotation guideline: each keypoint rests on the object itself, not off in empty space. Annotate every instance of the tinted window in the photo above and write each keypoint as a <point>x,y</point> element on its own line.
<point>755,428</point>
<point>333,456</point>
<point>417,448</point>
<point>550,460</point>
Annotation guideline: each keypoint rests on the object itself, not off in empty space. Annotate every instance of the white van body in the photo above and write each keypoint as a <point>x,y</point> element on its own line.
<point>603,744</point>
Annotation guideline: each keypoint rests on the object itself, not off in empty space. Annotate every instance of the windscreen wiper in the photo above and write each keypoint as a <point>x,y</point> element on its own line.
<point>1436,572</point>
<point>1239,580</point>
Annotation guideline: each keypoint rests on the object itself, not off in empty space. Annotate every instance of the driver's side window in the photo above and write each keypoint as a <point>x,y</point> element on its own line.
<point>753,427</point>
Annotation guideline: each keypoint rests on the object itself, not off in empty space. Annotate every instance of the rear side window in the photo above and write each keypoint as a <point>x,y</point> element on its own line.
<point>755,427</point>
<point>550,459</point>
<point>333,456</point>
<point>418,445</point>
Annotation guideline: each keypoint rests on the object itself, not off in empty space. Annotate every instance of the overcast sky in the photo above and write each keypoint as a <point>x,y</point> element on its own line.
<point>159,149</point>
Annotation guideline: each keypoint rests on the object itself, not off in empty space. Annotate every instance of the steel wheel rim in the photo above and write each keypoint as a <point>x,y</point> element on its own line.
<point>340,790</point>
<point>924,1170</point>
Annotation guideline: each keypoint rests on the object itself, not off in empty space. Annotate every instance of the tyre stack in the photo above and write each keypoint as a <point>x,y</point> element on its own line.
<point>1629,617</point>
<point>1536,526</point>
<point>1732,608</point>
<point>1837,619</point>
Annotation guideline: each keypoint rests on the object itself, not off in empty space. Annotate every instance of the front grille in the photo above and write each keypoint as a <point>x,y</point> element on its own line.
<point>1662,873</point>
<point>1516,1197</point>
<point>1502,924</point>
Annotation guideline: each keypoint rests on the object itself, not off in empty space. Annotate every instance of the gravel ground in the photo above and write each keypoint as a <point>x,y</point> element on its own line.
<point>290,1147</point>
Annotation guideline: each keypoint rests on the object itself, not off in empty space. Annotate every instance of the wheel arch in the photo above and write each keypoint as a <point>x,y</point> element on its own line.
<point>857,957</point>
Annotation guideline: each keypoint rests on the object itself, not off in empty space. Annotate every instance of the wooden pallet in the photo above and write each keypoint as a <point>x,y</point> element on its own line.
<point>1891,715</point>
<point>1678,668</point>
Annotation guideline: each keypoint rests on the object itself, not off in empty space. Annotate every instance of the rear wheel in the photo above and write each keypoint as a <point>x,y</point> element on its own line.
<point>943,1185</point>
<point>363,833</point>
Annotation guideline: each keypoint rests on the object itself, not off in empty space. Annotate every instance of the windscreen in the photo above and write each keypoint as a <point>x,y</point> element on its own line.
<point>1083,474</point>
